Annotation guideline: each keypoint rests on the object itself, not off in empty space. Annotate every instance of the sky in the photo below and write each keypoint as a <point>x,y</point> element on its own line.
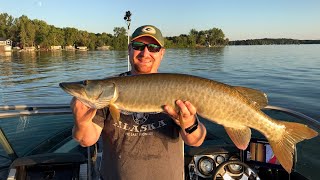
<point>238,19</point>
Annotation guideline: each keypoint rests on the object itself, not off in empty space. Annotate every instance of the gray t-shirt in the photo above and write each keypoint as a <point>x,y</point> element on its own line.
<point>140,146</point>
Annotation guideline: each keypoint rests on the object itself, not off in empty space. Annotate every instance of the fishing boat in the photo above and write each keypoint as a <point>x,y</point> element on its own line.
<point>36,143</point>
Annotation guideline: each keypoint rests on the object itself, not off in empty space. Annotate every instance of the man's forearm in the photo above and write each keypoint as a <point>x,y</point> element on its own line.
<point>87,134</point>
<point>196,138</point>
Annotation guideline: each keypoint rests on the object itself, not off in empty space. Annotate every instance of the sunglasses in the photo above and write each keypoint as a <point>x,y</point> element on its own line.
<point>139,46</point>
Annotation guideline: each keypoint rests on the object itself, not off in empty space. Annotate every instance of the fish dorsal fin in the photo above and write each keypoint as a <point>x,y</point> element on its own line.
<point>240,136</point>
<point>259,98</point>
<point>114,111</point>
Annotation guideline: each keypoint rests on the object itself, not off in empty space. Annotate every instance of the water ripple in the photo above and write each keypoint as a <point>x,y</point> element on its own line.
<point>290,75</point>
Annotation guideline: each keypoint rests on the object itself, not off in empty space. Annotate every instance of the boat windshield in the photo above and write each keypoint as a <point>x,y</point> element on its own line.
<point>33,131</point>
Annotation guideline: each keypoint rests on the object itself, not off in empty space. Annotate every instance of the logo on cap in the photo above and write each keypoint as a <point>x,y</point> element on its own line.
<point>149,30</point>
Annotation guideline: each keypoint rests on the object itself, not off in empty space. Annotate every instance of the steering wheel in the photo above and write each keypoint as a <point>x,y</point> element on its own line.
<point>240,169</point>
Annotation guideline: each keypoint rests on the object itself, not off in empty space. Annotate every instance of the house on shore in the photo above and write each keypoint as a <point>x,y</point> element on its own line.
<point>103,48</point>
<point>69,48</point>
<point>5,44</point>
<point>28,49</point>
<point>55,48</point>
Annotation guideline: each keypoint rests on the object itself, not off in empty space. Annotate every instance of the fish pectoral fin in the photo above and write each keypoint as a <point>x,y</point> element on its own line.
<point>114,111</point>
<point>239,136</point>
<point>259,98</point>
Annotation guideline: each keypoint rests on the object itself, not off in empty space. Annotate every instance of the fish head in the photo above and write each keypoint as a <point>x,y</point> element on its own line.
<point>93,93</point>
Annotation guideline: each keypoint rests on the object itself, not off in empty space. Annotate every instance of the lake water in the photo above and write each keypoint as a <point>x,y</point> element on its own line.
<point>288,74</point>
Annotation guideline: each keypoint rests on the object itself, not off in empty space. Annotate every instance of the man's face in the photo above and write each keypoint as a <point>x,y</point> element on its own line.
<point>144,61</point>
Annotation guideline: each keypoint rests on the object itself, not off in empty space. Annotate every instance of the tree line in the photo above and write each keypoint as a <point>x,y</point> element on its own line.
<point>25,32</point>
<point>273,41</point>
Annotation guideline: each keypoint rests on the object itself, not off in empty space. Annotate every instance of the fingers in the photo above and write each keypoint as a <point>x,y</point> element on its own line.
<point>81,112</point>
<point>76,106</point>
<point>184,115</point>
<point>171,112</point>
<point>72,102</point>
<point>75,103</point>
<point>186,108</point>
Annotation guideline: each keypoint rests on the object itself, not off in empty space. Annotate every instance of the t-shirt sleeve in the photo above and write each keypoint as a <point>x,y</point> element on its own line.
<point>100,117</point>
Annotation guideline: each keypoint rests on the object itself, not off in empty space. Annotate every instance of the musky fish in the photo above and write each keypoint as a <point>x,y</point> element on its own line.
<point>235,108</point>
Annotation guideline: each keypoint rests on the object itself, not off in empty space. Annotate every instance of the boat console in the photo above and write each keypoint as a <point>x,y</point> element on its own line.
<point>218,158</point>
<point>218,161</point>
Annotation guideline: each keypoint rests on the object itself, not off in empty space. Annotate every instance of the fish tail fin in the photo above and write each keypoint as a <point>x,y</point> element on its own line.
<point>285,147</point>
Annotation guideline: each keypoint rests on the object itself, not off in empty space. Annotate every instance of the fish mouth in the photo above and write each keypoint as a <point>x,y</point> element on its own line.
<point>62,85</point>
<point>65,87</point>
<point>75,90</point>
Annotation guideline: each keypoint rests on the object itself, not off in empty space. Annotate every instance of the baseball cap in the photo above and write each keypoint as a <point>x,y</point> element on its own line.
<point>148,30</point>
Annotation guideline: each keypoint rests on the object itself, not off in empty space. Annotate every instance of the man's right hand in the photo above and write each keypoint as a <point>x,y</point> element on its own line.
<point>82,114</point>
<point>84,130</point>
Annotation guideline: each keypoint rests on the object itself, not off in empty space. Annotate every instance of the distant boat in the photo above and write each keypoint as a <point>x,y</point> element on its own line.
<point>82,48</point>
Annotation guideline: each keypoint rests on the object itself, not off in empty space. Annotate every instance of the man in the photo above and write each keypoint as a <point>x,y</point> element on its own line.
<point>141,145</point>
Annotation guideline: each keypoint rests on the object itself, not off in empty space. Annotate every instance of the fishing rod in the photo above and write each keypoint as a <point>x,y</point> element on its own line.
<point>127,18</point>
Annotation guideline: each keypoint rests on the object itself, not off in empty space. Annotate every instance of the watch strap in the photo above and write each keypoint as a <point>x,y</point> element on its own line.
<point>193,127</point>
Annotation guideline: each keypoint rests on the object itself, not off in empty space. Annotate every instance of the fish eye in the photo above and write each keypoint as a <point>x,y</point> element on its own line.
<point>85,82</point>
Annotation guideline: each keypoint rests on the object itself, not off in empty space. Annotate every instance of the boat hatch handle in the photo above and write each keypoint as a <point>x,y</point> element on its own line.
<point>35,112</point>
<point>296,114</point>
<point>31,107</point>
<point>6,146</point>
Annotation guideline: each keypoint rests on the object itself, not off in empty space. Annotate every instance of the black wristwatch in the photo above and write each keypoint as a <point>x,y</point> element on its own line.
<point>192,128</point>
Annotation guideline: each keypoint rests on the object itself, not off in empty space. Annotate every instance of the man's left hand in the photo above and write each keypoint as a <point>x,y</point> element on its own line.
<point>185,117</point>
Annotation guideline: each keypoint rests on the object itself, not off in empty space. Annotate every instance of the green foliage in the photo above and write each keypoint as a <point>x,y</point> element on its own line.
<point>42,32</point>
<point>266,41</point>
<point>211,37</point>
<point>6,24</point>
<point>28,32</point>
<point>104,39</point>
<point>25,32</point>
<point>120,39</point>
<point>71,35</point>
